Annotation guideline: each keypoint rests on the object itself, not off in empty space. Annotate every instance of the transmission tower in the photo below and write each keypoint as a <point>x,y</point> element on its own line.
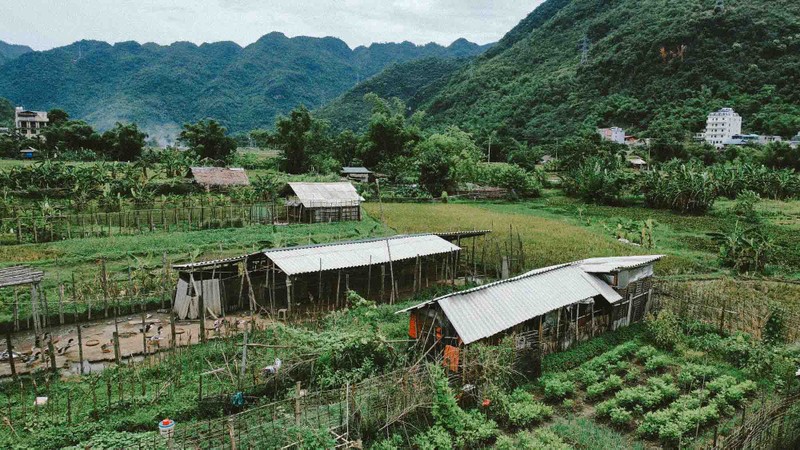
<point>584,50</point>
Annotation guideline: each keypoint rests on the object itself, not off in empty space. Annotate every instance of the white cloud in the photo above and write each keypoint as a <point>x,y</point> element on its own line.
<point>46,23</point>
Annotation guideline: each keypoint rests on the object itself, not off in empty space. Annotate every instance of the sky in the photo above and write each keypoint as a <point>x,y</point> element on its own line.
<point>44,24</point>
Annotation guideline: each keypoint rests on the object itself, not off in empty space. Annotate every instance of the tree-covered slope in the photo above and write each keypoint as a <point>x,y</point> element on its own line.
<point>12,51</point>
<point>412,82</point>
<point>655,67</point>
<point>162,87</point>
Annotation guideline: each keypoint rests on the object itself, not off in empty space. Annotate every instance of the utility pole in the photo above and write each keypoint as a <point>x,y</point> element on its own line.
<point>584,50</point>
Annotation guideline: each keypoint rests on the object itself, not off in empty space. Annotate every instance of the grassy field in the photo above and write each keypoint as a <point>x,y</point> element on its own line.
<point>557,229</point>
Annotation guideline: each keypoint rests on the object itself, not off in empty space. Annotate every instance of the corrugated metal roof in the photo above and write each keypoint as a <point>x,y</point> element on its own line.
<point>615,264</point>
<point>214,262</point>
<point>307,259</point>
<point>356,170</point>
<point>220,176</point>
<point>319,195</point>
<point>490,309</point>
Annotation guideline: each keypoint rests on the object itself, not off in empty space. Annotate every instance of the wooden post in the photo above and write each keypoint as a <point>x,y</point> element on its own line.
<point>172,329</point>
<point>558,325</point>
<point>288,293</point>
<point>144,328</point>
<point>165,277</point>
<point>383,281</point>
<point>297,404</point>
<point>391,273</point>
<point>338,286</point>
<point>9,349</point>
<point>319,283</point>
<point>52,349</point>
<point>369,278</point>
<point>61,303</point>
<point>116,347</point>
<point>37,326</point>
<point>16,309</point>
<point>104,282</point>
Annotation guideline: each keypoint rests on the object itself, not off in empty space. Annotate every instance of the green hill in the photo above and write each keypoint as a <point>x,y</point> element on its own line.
<point>12,51</point>
<point>654,67</point>
<point>162,87</point>
<point>413,82</point>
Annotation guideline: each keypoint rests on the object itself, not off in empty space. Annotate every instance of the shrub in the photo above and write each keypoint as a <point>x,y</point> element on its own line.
<point>657,362</point>
<point>434,438</point>
<point>557,388</point>
<point>620,416</point>
<point>775,328</point>
<point>520,409</point>
<point>610,384</point>
<point>536,440</point>
<point>684,415</point>
<point>745,206</point>
<point>471,428</point>
<point>665,330</point>
<point>726,388</point>
<point>692,375</point>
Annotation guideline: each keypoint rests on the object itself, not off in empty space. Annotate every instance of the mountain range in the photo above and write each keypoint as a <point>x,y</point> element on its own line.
<point>161,87</point>
<point>653,67</point>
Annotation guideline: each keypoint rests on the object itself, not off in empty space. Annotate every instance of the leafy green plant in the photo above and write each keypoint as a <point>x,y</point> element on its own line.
<point>744,249</point>
<point>557,387</point>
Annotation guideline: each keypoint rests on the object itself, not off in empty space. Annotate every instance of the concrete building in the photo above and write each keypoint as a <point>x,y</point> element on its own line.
<point>30,123</point>
<point>721,126</point>
<point>795,142</point>
<point>613,134</point>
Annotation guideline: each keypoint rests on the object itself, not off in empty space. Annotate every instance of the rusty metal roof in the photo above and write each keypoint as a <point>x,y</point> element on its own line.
<point>616,263</point>
<point>486,310</point>
<point>19,275</point>
<point>344,255</point>
<point>220,176</point>
<point>320,195</point>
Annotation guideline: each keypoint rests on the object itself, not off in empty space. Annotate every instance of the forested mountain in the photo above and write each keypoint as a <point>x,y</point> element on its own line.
<point>413,82</point>
<point>11,51</point>
<point>162,87</point>
<point>654,67</point>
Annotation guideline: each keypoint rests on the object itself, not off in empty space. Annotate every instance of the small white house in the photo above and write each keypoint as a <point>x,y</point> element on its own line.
<point>613,134</point>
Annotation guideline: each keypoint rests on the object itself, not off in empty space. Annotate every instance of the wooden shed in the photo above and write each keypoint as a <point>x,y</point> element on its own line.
<point>549,309</point>
<point>359,174</point>
<point>322,202</point>
<point>316,277</point>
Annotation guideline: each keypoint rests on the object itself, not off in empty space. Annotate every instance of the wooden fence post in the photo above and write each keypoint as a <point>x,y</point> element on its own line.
<point>297,404</point>
<point>9,349</point>
<point>61,303</point>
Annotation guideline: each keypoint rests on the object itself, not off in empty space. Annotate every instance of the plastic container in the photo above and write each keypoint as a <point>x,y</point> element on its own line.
<point>166,428</point>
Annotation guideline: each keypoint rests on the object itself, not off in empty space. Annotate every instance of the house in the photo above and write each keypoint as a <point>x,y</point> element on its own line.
<point>637,163</point>
<point>546,159</point>
<point>305,278</point>
<point>795,142</point>
<point>219,177</point>
<point>358,174</point>
<point>28,153</point>
<point>613,134</point>
<point>549,308</point>
<point>722,126</point>
<point>30,124</point>
<point>743,139</point>
<point>322,202</point>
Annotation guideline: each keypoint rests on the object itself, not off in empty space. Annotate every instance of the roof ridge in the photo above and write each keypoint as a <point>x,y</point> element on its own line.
<point>356,241</point>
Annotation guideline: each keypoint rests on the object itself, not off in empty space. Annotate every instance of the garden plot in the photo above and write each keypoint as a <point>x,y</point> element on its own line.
<point>667,396</point>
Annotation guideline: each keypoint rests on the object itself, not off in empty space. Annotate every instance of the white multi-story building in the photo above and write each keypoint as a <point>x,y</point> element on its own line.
<point>721,126</point>
<point>613,134</point>
<point>29,123</point>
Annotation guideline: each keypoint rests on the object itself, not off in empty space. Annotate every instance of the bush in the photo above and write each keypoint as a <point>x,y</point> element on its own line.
<point>470,428</point>
<point>435,438</point>
<point>519,408</point>
<point>620,416</point>
<point>664,330</point>
<point>684,415</point>
<point>657,362</point>
<point>557,388</point>
<point>692,375</point>
<point>611,384</point>
<point>536,440</point>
